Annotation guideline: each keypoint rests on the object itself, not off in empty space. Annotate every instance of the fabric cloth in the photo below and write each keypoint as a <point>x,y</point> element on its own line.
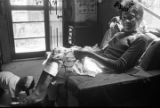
<point>8,81</point>
<point>124,50</point>
<point>119,44</point>
<point>88,66</point>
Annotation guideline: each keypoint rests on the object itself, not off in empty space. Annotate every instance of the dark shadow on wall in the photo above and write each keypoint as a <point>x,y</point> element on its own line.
<point>106,11</point>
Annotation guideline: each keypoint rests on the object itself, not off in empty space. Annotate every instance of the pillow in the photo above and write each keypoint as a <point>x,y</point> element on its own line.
<point>151,58</point>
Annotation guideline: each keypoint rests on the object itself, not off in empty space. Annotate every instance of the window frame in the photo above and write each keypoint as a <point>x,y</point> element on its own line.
<point>38,54</point>
<point>154,14</point>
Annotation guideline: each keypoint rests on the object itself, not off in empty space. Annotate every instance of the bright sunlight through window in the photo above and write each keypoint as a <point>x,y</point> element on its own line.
<point>150,20</point>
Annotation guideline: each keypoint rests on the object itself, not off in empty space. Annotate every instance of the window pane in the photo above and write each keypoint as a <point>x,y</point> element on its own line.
<point>30,45</point>
<point>153,21</point>
<point>19,16</point>
<point>27,2</point>
<point>153,5</point>
<point>23,30</point>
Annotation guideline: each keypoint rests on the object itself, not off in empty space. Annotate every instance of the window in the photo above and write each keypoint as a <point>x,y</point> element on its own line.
<point>36,25</point>
<point>150,20</point>
<point>27,2</point>
<point>28,25</point>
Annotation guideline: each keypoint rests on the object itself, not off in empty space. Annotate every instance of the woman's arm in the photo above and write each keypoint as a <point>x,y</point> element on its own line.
<point>126,61</point>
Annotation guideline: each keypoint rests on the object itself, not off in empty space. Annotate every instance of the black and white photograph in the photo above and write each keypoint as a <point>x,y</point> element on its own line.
<point>79,53</point>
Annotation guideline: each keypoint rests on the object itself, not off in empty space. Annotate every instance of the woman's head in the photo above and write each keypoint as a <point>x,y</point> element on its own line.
<point>131,13</point>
